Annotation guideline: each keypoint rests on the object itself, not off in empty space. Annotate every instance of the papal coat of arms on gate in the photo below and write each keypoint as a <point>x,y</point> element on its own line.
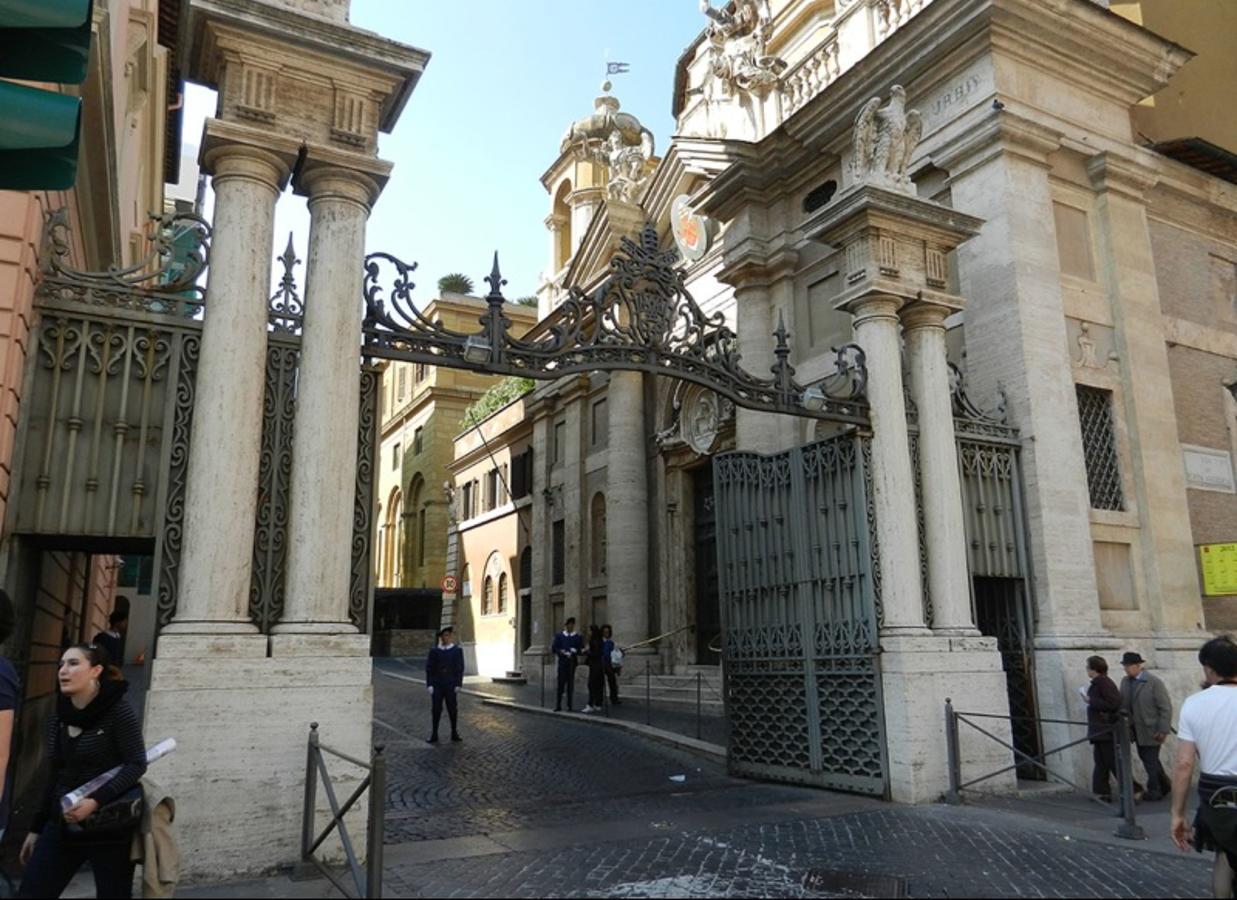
<point>691,231</point>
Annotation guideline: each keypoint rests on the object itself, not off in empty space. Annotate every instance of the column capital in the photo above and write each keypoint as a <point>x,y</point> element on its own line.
<point>926,314</point>
<point>1120,175</point>
<point>235,151</point>
<point>338,183</point>
<point>748,269</point>
<point>556,222</point>
<point>872,307</point>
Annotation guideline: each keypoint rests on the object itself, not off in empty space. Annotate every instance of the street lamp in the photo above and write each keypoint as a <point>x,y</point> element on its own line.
<point>476,350</point>
<point>813,399</point>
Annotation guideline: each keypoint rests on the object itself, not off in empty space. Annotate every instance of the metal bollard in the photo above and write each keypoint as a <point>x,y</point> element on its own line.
<point>543,681</point>
<point>699,686</point>
<point>311,791</point>
<point>1128,829</point>
<point>377,824</point>
<point>954,794</point>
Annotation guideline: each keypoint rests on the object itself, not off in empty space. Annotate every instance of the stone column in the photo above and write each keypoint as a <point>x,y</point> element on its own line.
<point>627,510</point>
<point>945,532</point>
<point>325,436</point>
<point>221,502</point>
<point>754,326</point>
<point>893,482</point>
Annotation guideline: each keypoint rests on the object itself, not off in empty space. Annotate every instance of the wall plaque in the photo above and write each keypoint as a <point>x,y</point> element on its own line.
<point>1207,469</point>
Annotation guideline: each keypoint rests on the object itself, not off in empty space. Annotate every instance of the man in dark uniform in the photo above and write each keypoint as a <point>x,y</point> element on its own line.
<point>444,676</point>
<point>567,647</point>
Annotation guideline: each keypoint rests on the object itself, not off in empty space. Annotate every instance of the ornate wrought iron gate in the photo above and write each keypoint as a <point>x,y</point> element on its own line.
<point>800,612</point>
<point>997,556</point>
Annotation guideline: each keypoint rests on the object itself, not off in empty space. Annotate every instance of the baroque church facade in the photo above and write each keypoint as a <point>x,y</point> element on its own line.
<point>1094,323</point>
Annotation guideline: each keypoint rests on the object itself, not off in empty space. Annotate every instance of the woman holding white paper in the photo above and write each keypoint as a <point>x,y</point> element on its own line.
<point>94,730</point>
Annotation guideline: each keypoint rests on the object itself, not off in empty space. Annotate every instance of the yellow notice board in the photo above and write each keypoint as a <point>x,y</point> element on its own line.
<point>1219,562</point>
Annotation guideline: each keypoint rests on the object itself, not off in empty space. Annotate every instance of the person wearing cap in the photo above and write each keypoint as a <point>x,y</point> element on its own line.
<point>444,676</point>
<point>1146,699</point>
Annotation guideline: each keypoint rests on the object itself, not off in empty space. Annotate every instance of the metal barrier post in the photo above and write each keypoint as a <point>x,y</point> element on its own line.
<point>648,694</point>
<point>699,686</point>
<point>953,795</point>
<point>377,808</point>
<point>311,792</point>
<point>543,681</point>
<point>1129,829</point>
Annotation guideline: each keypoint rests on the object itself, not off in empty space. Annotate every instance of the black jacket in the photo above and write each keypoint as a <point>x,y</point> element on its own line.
<point>110,737</point>
<point>1103,707</point>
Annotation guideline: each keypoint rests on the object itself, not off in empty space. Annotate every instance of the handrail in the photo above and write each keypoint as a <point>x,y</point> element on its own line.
<point>1120,731</point>
<point>375,782</point>
<point>654,640</point>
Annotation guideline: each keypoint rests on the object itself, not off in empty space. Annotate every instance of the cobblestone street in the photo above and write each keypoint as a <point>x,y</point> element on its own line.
<point>530,806</point>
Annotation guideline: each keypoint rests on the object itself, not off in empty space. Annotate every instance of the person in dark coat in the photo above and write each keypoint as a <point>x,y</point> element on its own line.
<point>566,648</point>
<point>113,640</point>
<point>93,731</point>
<point>608,648</point>
<point>444,676</point>
<point>596,670</point>
<point>1103,709</point>
<point>1146,699</point>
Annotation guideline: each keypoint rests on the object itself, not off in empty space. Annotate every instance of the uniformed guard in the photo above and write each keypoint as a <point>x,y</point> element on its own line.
<point>566,648</point>
<point>444,676</point>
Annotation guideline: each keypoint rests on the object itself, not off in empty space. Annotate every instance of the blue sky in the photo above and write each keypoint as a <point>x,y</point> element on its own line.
<point>504,82</point>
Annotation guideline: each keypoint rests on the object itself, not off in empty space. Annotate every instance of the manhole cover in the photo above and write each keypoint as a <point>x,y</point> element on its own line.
<point>828,881</point>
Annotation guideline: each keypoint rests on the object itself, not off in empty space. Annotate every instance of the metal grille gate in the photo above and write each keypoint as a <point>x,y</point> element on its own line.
<point>799,616</point>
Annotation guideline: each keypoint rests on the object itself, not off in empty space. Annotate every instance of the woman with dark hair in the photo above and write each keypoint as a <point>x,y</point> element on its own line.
<point>93,730</point>
<point>1103,706</point>
<point>596,670</point>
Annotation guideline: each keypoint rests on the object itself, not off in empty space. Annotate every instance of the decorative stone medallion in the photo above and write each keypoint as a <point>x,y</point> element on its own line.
<point>691,231</point>
<point>702,419</point>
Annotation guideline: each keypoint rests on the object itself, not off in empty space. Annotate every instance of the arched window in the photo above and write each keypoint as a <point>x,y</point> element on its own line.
<point>526,570</point>
<point>502,593</point>
<point>597,532</point>
<point>487,596</point>
<point>417,514</point>
<point>392,535</point>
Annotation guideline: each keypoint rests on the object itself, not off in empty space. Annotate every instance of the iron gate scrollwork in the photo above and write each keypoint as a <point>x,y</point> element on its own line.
<point>799,613</point>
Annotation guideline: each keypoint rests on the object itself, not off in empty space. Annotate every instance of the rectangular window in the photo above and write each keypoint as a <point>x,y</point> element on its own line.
<point>560,440</point>
<point>1099,448</point>
<point>421,538</point>
<point>395,457</point>
<point>1073,241</point>
<point>600,429</point>
<point>522,475</point>
<point>420,372</point>
<point>466,512</point>
<point>559,559</point>
<point>403,382</point>
<point>416,440</point>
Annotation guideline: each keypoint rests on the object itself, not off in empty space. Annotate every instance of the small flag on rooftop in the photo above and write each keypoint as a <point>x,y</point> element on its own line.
<point>617,68</point>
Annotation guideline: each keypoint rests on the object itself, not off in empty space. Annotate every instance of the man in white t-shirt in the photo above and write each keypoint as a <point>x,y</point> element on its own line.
<point>1208,731</point>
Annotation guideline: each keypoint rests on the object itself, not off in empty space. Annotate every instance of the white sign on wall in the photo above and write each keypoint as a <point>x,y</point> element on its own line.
<point>1207,469</point>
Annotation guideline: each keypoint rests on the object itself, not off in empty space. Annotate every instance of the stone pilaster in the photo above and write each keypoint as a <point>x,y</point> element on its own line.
<point>221,503</point>
<point>944,529</point>
<point>627,509</point>
<point>325,433</point>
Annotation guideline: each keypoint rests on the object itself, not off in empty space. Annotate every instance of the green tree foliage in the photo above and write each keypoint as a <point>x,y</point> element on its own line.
<point>527,301</point>
<point>455,283</point>
<point>496,398</point>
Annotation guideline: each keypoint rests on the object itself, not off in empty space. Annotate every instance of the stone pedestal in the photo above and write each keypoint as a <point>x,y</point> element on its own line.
<point>918,674</point>
<point>241,723</point>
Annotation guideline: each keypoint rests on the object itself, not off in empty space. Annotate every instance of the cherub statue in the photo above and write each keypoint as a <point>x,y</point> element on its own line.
<point>885,138</point>
<point>626,163</point>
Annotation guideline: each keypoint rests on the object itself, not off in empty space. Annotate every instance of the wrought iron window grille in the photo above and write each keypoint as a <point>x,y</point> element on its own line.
<point>641,318</point>
<point>1099,448</point>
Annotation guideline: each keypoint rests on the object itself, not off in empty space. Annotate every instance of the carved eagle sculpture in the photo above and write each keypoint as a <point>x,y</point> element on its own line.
<point>884,139</point>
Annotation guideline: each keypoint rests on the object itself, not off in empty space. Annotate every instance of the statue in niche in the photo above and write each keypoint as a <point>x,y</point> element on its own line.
<point>738,41</point>
<point>1086,348</point>
<point>885,138</point>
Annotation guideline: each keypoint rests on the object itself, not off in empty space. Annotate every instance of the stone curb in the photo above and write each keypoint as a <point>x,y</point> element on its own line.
<point>682,742</point>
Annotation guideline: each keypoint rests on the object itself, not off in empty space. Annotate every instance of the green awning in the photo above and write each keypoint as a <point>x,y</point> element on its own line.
<point>45,40</point>
<point>39,135</point>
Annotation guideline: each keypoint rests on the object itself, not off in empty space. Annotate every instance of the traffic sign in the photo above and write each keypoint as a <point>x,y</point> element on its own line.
<point>449,584</point>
